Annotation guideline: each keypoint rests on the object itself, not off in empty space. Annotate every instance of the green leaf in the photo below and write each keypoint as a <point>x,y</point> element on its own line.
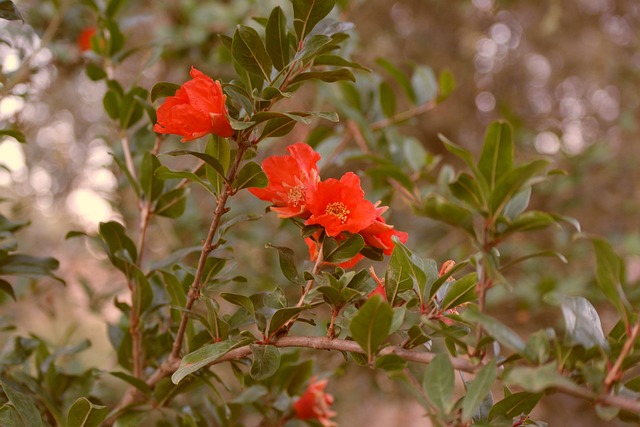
<point>424,84</point>
<point>208,159</point>
<point>24,405</point>
<point>387,99</point>
<point>250,53</point>
<point>438,208</point>
<point>7,289</point>
<point>390,363</point>
<point>496,158</point>
<point>251,175</point>
<point>512,182</point>
<point>438,382</point>
<point>204,356</point>
<point>446,84</point>
<point>337,61</point>
<point>116,239</point>
<point>582,323</point>
<point>307,13</point>
<point>340,251</point>
<point>95,72</point>
<point>219,149</point>
<point>467,189</point>
<point>405,271</point>
<point>515,404</point>
<point>278,127</point>
<point>164,172</point>
<point>26,265</point>
<point>151,185</point>
<point>400,77</point>
<point>15,134</point>
<point>371,325</point>
<point>537,379</point>
<point>325,76</point>
<point>610,275</point>
<point>282,316</point>
<point>461,291</point>
<point>287,263</point>
<point>163,89</point>
<point>9,11</point>
<point>478,389</point>
<point>172,203</point>
<point>136,382</point>
<point>83,413</point>
<point>312,46</point>
<point>266,361</point>
<point>241,300</point>
<point>276,39</point>
<point>496,329</point>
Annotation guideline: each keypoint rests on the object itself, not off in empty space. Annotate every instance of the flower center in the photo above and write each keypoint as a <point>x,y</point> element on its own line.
<point>295,196</point>
<point>338,209</point>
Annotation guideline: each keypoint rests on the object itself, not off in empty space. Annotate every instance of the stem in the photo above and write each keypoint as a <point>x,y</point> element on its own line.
<point>331,331</point>
<point>126,149</point>
<point>616,371</point>
<point>316,268</point>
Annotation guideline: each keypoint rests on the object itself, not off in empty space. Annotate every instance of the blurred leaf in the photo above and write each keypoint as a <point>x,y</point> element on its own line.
<point>515,404</point>
<point>250,53</point>
<point>282,316</point>
<point>512,181</point>
<point>151,185</point>
<point>387,99</point>
<point>24,405</point>
<point>496,329</point>
<point>496,158</point>
<point>287,263</point>
<point>538,347</point>
<point>7,289</point>
<point>337,61</point>
<point>83,413</point>
<point>371,325</point>
<point>610,276</point>
<point>251,175</point>
<point>438,208</point>
<point>17,135</point>
<point>478,389</point>
<point>8,225</point>
<point>204,356</point>
<point>172,203</point>
<point>163,89</point>
<point>438,383</point>
<point>326,76</point>
<point>276,40</point>
<point>537,379</point>
<point>136,382</point>
<point>9,11</point>
<point>467,189</point>
<point>26,265</point>
<point>307,14</point>
<point>582,323</point>
<point>446,84</point>
<point>340,251</point>
<point>424,84</point>
<point>518,203</point>
<point>400,77</point>
<point>461,291</point>
<point>390,363</point>
<point>95,72</point>
<point>266,361</point>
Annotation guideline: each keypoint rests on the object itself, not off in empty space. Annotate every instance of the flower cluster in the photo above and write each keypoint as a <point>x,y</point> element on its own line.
<point>197,109</point>
<point>315,404</point>
<point>337,205</point>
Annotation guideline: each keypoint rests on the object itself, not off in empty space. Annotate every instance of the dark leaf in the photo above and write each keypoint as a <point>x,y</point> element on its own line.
<point>287,263</point>
<point>251,175</point>
<point>496,158</point>
<point>325,76</point>
<point>371,325</point>
<point>438,382</point>
<point>9,11</point>
<point>307,13</point>
<point>276,39</point>
<point>266,361</point>
<point>478,389</point>
<point>340,251</point>
<point>250,53</point>
<point>83,413</point>
<point>17,135</point>
<point>163,89</point>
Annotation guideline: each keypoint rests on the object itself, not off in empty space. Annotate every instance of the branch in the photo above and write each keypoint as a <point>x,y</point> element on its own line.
<point>616,371</point>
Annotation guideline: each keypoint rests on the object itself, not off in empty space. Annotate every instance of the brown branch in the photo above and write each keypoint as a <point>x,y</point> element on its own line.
<point>616,371</point>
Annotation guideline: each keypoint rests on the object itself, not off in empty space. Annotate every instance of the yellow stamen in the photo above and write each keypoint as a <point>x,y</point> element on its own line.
<point>295,196</point>
<point>338,209</point>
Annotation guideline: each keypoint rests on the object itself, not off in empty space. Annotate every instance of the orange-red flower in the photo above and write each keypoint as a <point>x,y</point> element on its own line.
<point>339,205</point>
<point>197,109</point>
<point>315,404</point>
<point>380,289</point>
<point>290,177</point>
<point>379,233</point>
<point>84,39</point>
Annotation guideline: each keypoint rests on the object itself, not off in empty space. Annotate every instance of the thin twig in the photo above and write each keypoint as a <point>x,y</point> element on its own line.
<point>616,371</point>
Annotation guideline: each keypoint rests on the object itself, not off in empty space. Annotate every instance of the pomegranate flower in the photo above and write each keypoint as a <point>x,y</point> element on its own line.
<point>315,404</point>
<point>290,177</point>
<point>197,109</point>
<point>84,39</point>
<point>379,235</point>
<point>339,205</point>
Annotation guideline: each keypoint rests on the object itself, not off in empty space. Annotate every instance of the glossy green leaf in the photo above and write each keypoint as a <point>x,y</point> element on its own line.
<point>371,325</point>
<point>204,356</point>
<point>219,149</point>
<point>515,404</point>
<point>496,158</point>
<point>83,413</point>
<point>518,203</point>
<point>24,405</point>
<point>325,76</point>
<point>610,275</point>
<point>340,251</point>
<point>276,39</point>
<point>164,172</point>
<point>287,263</point>
<point>478,389</point>
<point>163,89</point>
<point>496,329</point>
<point>438,382</point>
<point>251,175</point>
<point>250,53</point>
<point>307,14</point>
<point>312,47</point>
<point>438,208</point>
<point>266,361</point>
<point>282,316</point>
<point>207,158</point>
<point>241,300</point>
<point>9,11</point>
<point>461,291</point>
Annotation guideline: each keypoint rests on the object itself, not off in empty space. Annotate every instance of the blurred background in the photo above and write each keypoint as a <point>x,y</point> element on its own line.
<point>565,73</point>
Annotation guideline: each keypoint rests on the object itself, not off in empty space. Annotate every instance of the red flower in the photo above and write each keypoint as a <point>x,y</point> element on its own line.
<point>315,404</point>
<point>84,39</point>
<point>290,177</point>
<point>379,290</point>
<point>379,233</point>
<point>198,108</point>
<point>340,205</point>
